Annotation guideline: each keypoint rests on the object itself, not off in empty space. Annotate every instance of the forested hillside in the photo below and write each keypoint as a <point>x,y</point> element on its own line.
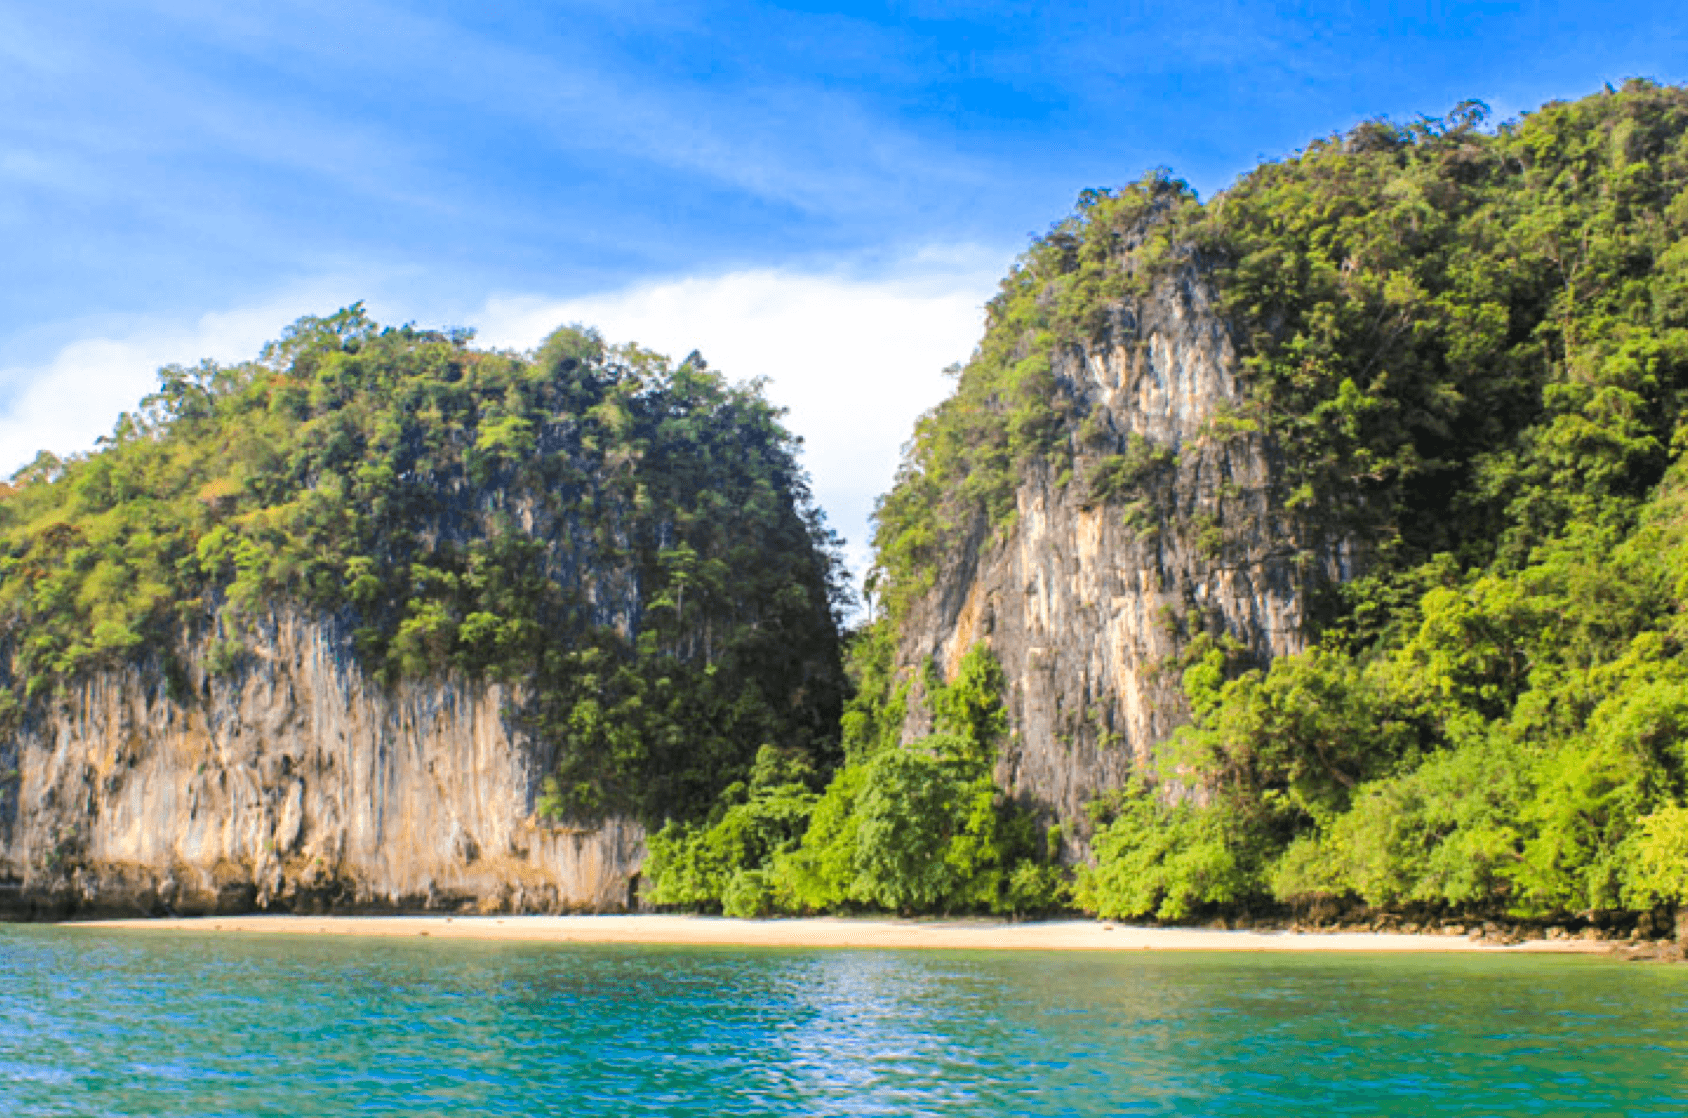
<point>1472,348</point>
<point>630,546</point>
<point>1459,355</point>
<point>1467,350</point>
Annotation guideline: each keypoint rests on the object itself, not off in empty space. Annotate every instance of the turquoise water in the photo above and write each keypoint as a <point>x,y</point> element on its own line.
<point>104,1022</point>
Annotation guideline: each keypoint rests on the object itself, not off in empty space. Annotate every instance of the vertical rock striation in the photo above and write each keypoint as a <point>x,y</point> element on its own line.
<point>250,648</point>
<point>293,782</point>
<point>1086,596</point>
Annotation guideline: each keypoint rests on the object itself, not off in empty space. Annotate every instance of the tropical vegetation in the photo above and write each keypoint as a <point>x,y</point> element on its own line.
<point>1468,347</point>
<point>629,544</point>
<point>915,827</point>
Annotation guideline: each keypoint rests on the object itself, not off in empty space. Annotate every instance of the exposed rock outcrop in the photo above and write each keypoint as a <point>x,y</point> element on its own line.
<point>1085,598</point>
<point>293,782</point>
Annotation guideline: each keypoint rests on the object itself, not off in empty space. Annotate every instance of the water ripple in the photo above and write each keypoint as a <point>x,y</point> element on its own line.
<point>95,1023</point>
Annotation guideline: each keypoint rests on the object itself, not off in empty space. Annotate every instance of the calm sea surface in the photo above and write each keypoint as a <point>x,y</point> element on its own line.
<point>97,1022</point>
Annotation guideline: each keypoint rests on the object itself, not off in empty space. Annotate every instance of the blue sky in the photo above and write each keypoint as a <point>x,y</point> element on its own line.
<point>822,194</point>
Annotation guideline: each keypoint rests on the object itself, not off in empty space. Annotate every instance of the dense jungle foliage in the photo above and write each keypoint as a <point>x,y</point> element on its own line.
<point>1466,347</point>
<point>1469,348</point>
<point>916,827</point>
<point>631,544</point>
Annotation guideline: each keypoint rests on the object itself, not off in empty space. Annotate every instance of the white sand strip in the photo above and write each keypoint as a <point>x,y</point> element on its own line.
<point>1063,935</point>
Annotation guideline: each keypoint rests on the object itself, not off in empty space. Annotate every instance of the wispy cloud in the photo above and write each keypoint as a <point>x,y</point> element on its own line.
<point>317,98</point>
<point>162,157</point>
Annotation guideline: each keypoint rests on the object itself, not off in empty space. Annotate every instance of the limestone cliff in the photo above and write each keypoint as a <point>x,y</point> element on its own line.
<point>347,624</point>
<point>292,783</point>
<point>1087,596</point>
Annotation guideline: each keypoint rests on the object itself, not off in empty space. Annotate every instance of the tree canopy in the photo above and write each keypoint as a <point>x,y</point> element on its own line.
<point>1468,349</point>
<point>630,542</point>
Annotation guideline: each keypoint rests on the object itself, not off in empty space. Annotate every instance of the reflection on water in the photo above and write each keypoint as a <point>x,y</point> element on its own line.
<point>99,1023</point>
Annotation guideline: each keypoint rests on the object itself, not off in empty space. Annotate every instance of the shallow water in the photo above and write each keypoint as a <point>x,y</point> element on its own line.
<point>109,1022</point>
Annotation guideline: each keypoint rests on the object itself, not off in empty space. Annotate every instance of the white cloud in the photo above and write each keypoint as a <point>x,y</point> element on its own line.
<point>855,360</point>
<point>77,395</point>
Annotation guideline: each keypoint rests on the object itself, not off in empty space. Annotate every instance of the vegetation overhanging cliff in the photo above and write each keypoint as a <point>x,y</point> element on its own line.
<point>1463,354</point>
<point>624,550</point>
<point>1329,539</point>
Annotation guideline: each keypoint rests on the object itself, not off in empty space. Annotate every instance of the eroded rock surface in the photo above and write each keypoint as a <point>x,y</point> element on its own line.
<point>292,782</point>
<point>1086,600</point>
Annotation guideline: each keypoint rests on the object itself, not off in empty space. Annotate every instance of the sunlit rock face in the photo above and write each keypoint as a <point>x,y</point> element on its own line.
<point>1087,599</point>
<point>292,783</point>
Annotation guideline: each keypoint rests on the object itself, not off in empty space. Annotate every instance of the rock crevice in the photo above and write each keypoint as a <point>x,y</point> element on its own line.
<point>1087,597</point>
<point>292,782</point>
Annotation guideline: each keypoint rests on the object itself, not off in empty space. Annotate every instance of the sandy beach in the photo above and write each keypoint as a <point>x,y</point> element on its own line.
<point>1062,935</point>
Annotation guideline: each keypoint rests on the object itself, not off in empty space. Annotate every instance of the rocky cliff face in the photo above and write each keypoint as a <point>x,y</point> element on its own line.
<point>291,782</point>
<point>1087,597</point>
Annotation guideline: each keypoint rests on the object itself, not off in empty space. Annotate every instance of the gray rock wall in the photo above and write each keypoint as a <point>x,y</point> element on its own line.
<point>292,781</point>
<point>1086,602</point>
